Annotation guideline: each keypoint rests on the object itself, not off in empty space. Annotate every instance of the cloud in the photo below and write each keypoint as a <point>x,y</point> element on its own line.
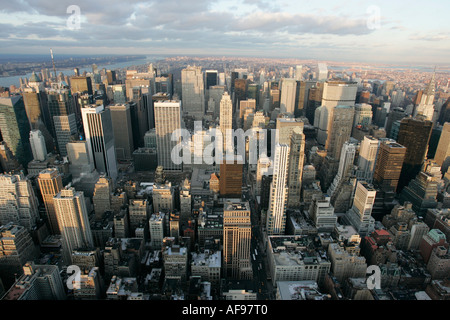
<point>430,37</point>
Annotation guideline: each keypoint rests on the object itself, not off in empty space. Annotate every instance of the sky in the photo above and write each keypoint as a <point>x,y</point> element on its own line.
<point>377,31</point>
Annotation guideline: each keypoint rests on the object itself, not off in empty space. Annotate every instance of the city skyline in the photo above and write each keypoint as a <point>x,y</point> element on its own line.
<point>378,31</point>
<point>332,182</point>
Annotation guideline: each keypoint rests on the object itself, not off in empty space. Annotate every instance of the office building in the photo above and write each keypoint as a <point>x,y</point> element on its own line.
<point>123,132</point>
<point>285,127</point>
<point>38,282</point>
<point>18,202</point>
<point>422,191</point>
<point>363,115</point>
<point>81,166</point>
<point>345,264</point>
<point>335,93</point>
<point>185,201</point>
<point>16,248</point>
<point>15,128</point>
<point>416,149</point>
<point>50,184</point>
<point>295,169</point>
<point>425,106</point>
<point>37,143</point>
<point>121,225</point>
<point>230,179</point>
<point>102,196</point>
<point>433,239</point>
<point>322,213</point>
<point>288,95</point>
<point>389,165</point>
<point>360,215</point>
<point>36,106</point>
<point>163,197</point>
<point>442,156</point>
<point>207,265</point>
<point>65,131</point>
<point>89,286</point>
<point>100,139</point>
<point>167,121</point>
<point>210,227</point>
<point>237,233</point>
<point>396,114</point>
<point>340,131</point>
<point>175,257</point>
<point>138,212</point>
<point>367,158</point>
<point>8,161</point>
<point>73,221</point>
<point>156,226</point>
<point>211,78</point>
<point>289,260</point>
<point>193,92</point>
<point>226,122</point>
<point>276,215</point>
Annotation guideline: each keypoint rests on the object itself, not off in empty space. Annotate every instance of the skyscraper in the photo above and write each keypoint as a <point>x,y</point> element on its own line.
<point>18,202</point>
<point>341,122</point>
<point>73,221</point>
<point>36,106</point>
<point>295,169</point>
<point>288,95</point>
<point>426,104</point>
<point>442,156</point>
<point>211,77</point>
<point>15,128</point>
<point>81,84</point>
<point>193,92</point>
<point>50,184</point>
<point>100,139</point>
<point>395,114</point>
<point>389,165</point>
<point>185,201</point>
<point>156,227</point>
<point>359,216</point>
<point>66,131</point>
<point>276,214</point>
<point>367,158</point>
<point>335,93</point>
<point>123,132</point>
<point>102,196</point>
<point>37,143</point>
<point>226,122</point>
<point>237,233</point>
<point>167,120</point>
<point>414,134</point>
<point>240,91</point>
<point>230,181</point>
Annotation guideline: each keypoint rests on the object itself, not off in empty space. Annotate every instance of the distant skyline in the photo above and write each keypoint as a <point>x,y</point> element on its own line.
<point>411,32</point>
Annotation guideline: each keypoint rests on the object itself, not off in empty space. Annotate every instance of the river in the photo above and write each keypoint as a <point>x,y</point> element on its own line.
<point>15,80</point>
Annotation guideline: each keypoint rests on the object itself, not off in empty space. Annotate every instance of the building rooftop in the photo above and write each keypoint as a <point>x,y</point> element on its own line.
<point>237,206</point>
<point>300,290</point>
<point>210,259</point>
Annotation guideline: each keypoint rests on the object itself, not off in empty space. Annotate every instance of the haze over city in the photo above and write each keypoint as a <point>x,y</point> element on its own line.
<point>370,31</point>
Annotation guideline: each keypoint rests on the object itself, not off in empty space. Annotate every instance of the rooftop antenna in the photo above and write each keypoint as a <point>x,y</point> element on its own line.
<point>53,62</point>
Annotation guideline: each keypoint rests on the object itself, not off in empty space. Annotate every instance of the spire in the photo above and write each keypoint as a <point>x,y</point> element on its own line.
<point>432,85</point>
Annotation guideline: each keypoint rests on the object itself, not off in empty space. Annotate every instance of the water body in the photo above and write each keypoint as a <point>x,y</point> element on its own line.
<point>15,80</point>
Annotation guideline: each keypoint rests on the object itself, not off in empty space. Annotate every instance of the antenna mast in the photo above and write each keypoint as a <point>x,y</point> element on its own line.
<point>53,62</point>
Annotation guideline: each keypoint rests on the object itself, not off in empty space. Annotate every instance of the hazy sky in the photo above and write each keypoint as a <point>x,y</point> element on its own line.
<point>359,30</point>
